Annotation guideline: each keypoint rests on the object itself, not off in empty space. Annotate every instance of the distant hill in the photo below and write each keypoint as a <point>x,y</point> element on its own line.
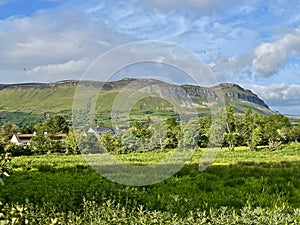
<point>33,102</point>
<point>293,118</point>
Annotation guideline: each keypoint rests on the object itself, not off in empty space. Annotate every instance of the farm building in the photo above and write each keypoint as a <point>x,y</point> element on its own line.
<point>24,139</point>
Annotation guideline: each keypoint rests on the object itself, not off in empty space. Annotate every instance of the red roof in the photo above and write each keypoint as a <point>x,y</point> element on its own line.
<point>25,135</point>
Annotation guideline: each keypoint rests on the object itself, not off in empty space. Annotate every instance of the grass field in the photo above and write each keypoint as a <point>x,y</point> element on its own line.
<point>240,187</point>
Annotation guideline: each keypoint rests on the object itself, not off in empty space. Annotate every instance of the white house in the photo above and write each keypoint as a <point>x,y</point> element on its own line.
<point>24,139</point>
<point>21,139</point>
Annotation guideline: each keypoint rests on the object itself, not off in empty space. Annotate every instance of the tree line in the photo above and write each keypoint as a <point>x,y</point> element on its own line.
<point>225,129</point>
<point>45,139</point>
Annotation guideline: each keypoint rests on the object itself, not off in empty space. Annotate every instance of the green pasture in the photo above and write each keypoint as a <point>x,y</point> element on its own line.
<point>260,184</point>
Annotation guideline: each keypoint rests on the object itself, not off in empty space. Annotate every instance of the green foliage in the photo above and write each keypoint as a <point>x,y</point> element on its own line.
<point>27,129</point>
<point>191,134</point>
<point>218,129</point>
<point>90,144</point>
<point>204,129</point>
<point>224,129</point>
<point>294,133</point>
<point>140,130</point>
<point>129,141</point>
<point>4,163</point>
<point>111,143</point>
<point>273,127</point>
<point>7,131</point>
<point>111,212</point>
<point>251,129</point>
<point>241,187</point>
<point>40,143</point>
<point>18,150</point>
<point>158,133</point>
<point>172,133</point>
<point>44,143</point>
<point>70,143</point>
<point>231,134</point>
<point>56,125</point>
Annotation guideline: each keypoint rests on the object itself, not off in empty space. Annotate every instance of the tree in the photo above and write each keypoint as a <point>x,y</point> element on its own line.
<point>7,131</point>
<point>27,129</point>
<point>274,126</point>
<point>40,143</point>
<point>294,133</point>
<point>250,129</point>
<point>158,134</point>
<point>4,163</point>
<point>255,138</point>
<point>70,143</point>
<point>110,143</point>
<point>56,125</point>
<point>141,129</point>
<point>172,133</point>
<point>191,134</point>
<point>90,144</point>
<point>204,129</point>
<point>231,133</point>
<point>129,141</point>
<point>218,128</point>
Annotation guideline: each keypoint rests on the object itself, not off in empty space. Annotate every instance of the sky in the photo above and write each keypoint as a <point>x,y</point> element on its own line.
<point>255,44</point>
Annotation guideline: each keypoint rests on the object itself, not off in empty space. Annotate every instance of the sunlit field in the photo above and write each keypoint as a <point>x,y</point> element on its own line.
<point>240,187</point>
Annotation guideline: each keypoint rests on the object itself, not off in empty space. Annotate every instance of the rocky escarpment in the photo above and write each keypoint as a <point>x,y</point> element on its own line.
<point>227,90</point>
<point>235,91</point>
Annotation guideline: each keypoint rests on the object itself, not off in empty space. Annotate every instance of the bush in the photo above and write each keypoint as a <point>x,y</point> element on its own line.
<point>18,150</point>
<point>4,163</point>
<point>111,212</point>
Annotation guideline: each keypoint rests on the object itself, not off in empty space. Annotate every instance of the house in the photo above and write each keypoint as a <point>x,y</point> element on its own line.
<point>100,131</point>
<point>24,139</point>
<point>21,139</point>
<point>61,136</point>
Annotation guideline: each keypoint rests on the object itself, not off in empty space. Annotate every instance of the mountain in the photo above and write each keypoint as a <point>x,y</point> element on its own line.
<point>34,102</point>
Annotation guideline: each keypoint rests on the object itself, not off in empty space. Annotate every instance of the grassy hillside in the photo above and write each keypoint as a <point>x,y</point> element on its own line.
<point>32,103</point>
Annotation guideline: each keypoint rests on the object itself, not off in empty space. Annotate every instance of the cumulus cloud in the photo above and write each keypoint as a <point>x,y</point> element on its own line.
<point>278,94</point>
<point>269,57</point>
<point>67,68</point>
<point>264,60</point>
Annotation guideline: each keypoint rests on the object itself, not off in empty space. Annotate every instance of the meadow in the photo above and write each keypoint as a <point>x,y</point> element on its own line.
<point>240,187</point>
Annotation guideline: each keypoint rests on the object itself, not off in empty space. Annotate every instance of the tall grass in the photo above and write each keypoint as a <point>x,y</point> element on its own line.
<point>240,187</point>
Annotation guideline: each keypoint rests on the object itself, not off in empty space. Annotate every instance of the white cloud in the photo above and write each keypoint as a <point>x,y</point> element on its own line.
<point>264,60</point>
<point>269,57</point>
<point>278,94</point>
<point>67,68</point>
<point>46,39</point>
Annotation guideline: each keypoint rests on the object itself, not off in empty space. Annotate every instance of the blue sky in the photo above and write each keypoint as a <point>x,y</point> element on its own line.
<point>252,43</point>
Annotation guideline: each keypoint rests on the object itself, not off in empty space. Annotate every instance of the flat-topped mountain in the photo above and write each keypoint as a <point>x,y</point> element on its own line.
<point>34,102</point>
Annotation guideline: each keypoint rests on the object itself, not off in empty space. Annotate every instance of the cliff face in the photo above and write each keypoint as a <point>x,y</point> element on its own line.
<point>227,90</point>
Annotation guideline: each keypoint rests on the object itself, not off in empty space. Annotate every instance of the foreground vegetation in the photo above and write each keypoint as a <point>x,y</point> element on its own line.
<point>241,187</point>
<point>47,182</point>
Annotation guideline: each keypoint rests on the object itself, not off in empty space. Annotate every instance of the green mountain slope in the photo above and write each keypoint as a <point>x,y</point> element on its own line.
<point>34,102</point>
